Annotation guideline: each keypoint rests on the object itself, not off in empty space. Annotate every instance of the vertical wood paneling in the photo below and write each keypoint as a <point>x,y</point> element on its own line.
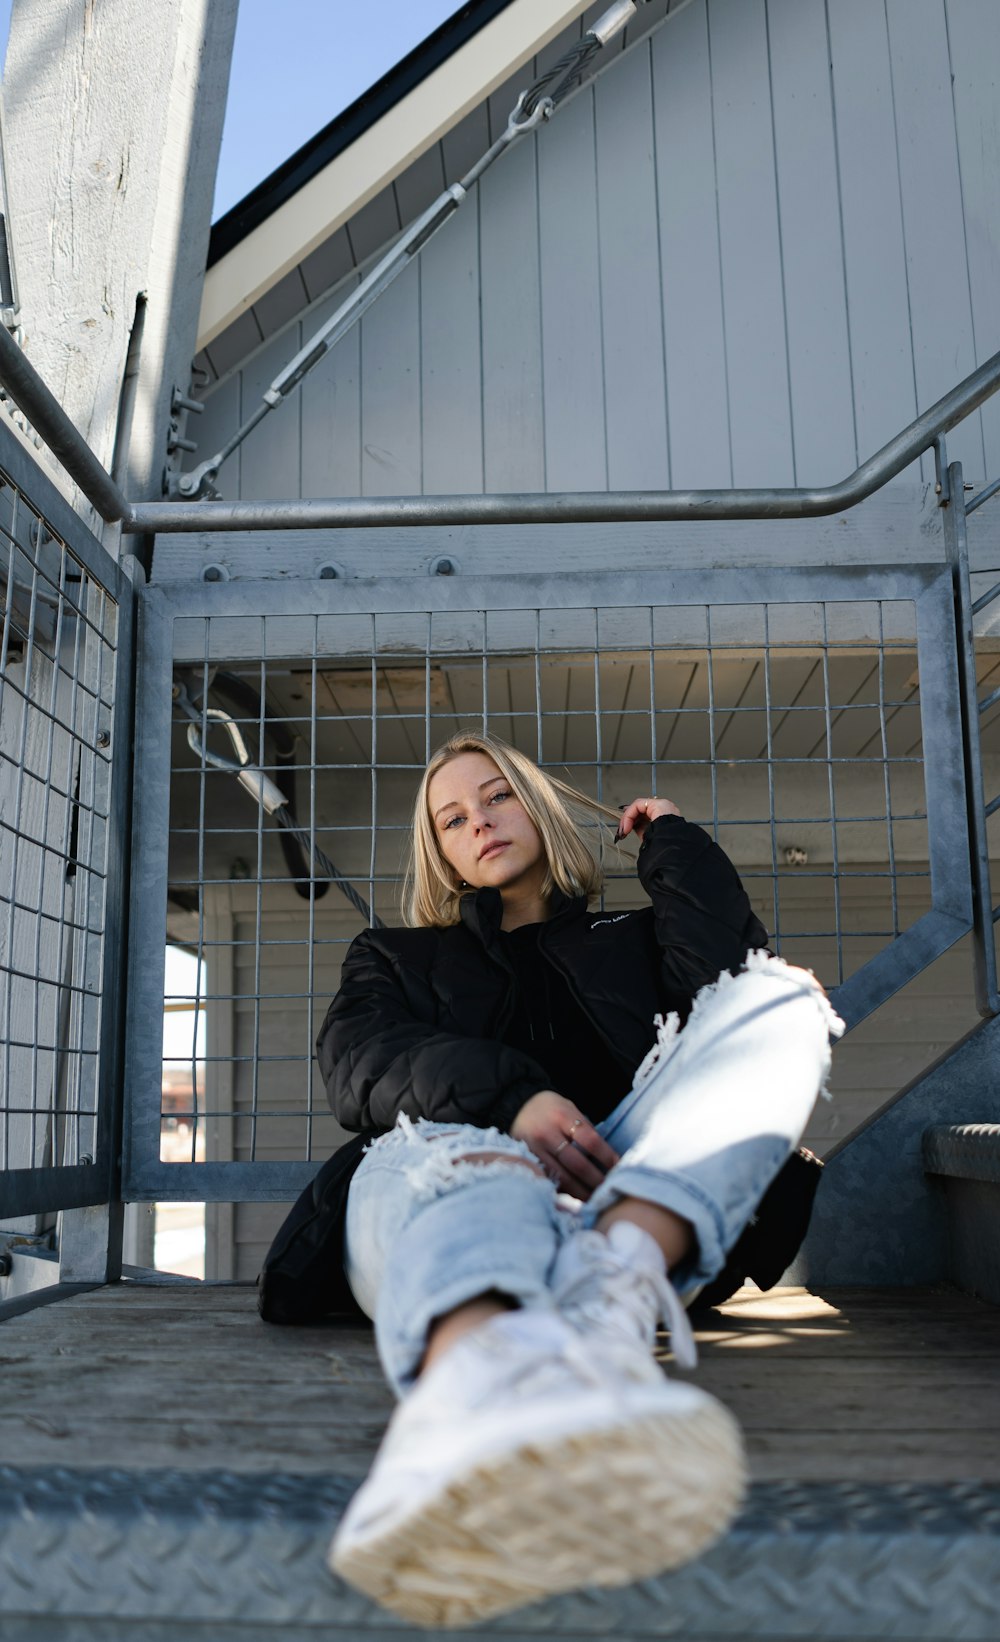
<point>702,273</point>
<point>465,143</point>
<point>270,456</point>
<point>757,364</point>
<point>933,228</point>
<point>878,309</point>
<point>331,412</point>
<point>501,103</point>
<point>694,330</point>
<point>974,39</point>
<point>569,267</point>
<point>213,427</point>
<point>390,390</point>
<point>815,296</point>
<point>512,374</point>
<point>451,377</point>
<point>631,310</point>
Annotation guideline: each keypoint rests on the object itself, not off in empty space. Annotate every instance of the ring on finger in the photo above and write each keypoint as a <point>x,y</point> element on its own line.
<point>573,1127</point>
<point>561,1147</point>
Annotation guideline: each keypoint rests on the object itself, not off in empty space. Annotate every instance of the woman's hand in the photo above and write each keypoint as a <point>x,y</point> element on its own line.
<point>565,1142</point>
<point>637,815</point>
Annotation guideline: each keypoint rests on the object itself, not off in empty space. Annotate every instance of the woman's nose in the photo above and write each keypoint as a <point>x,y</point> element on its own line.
<point>481,819</point>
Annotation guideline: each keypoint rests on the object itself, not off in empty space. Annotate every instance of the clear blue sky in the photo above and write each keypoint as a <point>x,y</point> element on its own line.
<point>296,64</point>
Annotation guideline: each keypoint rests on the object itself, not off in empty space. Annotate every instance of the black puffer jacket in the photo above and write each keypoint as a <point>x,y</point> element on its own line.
<point>415,1028</point>
<point>417,1022</point>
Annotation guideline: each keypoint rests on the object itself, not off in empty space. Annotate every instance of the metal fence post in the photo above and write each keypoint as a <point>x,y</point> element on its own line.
<point>957,548</point>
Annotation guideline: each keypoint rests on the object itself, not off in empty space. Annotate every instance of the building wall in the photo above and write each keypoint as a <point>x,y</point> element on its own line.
<point>751,251</point>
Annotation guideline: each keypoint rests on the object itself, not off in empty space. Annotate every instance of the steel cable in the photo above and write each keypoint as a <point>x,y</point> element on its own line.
<point>563,77</point>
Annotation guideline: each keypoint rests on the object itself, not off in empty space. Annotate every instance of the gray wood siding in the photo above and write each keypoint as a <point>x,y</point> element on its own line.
<point>747,253</point>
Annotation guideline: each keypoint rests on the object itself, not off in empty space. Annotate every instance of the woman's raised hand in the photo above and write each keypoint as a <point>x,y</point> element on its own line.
<point>565,1142</point>
<point>637,815</point>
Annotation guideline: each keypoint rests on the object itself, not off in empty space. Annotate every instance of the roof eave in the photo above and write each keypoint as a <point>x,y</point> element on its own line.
<point>376,157</point>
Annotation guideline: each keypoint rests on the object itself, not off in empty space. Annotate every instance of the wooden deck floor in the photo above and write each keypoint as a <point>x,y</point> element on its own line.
<point>856,1385</point>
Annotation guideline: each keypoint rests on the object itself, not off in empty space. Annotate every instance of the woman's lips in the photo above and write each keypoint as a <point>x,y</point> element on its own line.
<point>492,849</point>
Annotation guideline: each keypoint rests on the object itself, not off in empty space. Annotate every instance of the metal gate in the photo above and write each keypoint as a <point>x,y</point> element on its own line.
<point>66,660</point>
<point>810,720</point>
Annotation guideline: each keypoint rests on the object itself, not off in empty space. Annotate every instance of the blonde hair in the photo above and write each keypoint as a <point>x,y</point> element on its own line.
<point>432,892</point>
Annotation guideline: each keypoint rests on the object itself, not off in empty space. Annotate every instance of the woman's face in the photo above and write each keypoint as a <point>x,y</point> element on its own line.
<point>481,827</point>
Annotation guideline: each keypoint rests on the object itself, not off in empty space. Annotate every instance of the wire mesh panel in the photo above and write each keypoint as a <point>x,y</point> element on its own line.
<point>811,729</point>
<point>64,641</point>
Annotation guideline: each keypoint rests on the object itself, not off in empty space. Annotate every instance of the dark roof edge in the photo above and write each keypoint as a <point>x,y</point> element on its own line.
<point>349,125</point>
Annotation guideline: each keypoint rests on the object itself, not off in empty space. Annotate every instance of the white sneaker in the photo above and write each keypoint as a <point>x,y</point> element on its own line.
<point>616,1284</point>
<point>529,1461</point>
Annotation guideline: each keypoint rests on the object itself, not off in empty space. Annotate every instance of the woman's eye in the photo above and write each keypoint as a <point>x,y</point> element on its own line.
<point>498,796</point>
<point>451,822</point>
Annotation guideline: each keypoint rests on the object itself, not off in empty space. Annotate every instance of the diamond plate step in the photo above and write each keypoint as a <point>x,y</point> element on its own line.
<point>164,1555</point>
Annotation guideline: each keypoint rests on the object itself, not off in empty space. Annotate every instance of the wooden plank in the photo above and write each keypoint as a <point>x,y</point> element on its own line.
<point>277,307</point>
<point>188,1377</point>
<point>936,264</point>
<point>823,431</point>
<point>648,17</point>
<point>881,342</point>
<point>631,278</point>
<point>214,427</point>
<point>694,332</point>
<point>570,289</point>
<point>899,525</point>
<point>451,362</point>
<point>373,226</point>
<point>331,417</point>
<point>750,245</point>
<point>269,459</point>
<point>974,46</point>
<point>465,143</point>
<point>501,102</point>
<point>513,428</point>
<point>390,390</point>
<point>419,185</point>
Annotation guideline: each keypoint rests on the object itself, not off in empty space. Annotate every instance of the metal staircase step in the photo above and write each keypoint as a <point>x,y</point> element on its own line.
<point>164,1553</point>
<point>172,1470</point>
<point>966,1158</point>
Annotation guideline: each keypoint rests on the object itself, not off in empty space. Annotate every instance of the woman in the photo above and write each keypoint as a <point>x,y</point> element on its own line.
<point>546,1158</point>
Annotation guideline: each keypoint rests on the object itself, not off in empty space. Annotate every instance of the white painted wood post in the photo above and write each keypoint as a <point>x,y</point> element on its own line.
<point>112,124</point>
<point>112,121</point>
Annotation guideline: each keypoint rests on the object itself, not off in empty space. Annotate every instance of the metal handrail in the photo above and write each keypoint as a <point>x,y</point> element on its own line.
<point>43,410</point>
<point>26,388</point>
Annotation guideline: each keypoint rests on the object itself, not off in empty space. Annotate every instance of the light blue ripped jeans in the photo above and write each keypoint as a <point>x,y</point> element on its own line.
<point>713,1113</point>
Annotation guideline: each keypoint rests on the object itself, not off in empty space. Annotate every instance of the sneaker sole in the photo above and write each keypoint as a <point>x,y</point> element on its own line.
<point>603,1507</point>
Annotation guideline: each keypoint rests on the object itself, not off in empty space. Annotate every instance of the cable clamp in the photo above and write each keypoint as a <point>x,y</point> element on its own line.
<point>518,123</point>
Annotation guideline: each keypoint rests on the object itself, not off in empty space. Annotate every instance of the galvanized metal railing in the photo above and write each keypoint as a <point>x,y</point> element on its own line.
<point>66,672</point>
<point>780,708</point>
<point>616,507</point>
<point>202,627</point>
